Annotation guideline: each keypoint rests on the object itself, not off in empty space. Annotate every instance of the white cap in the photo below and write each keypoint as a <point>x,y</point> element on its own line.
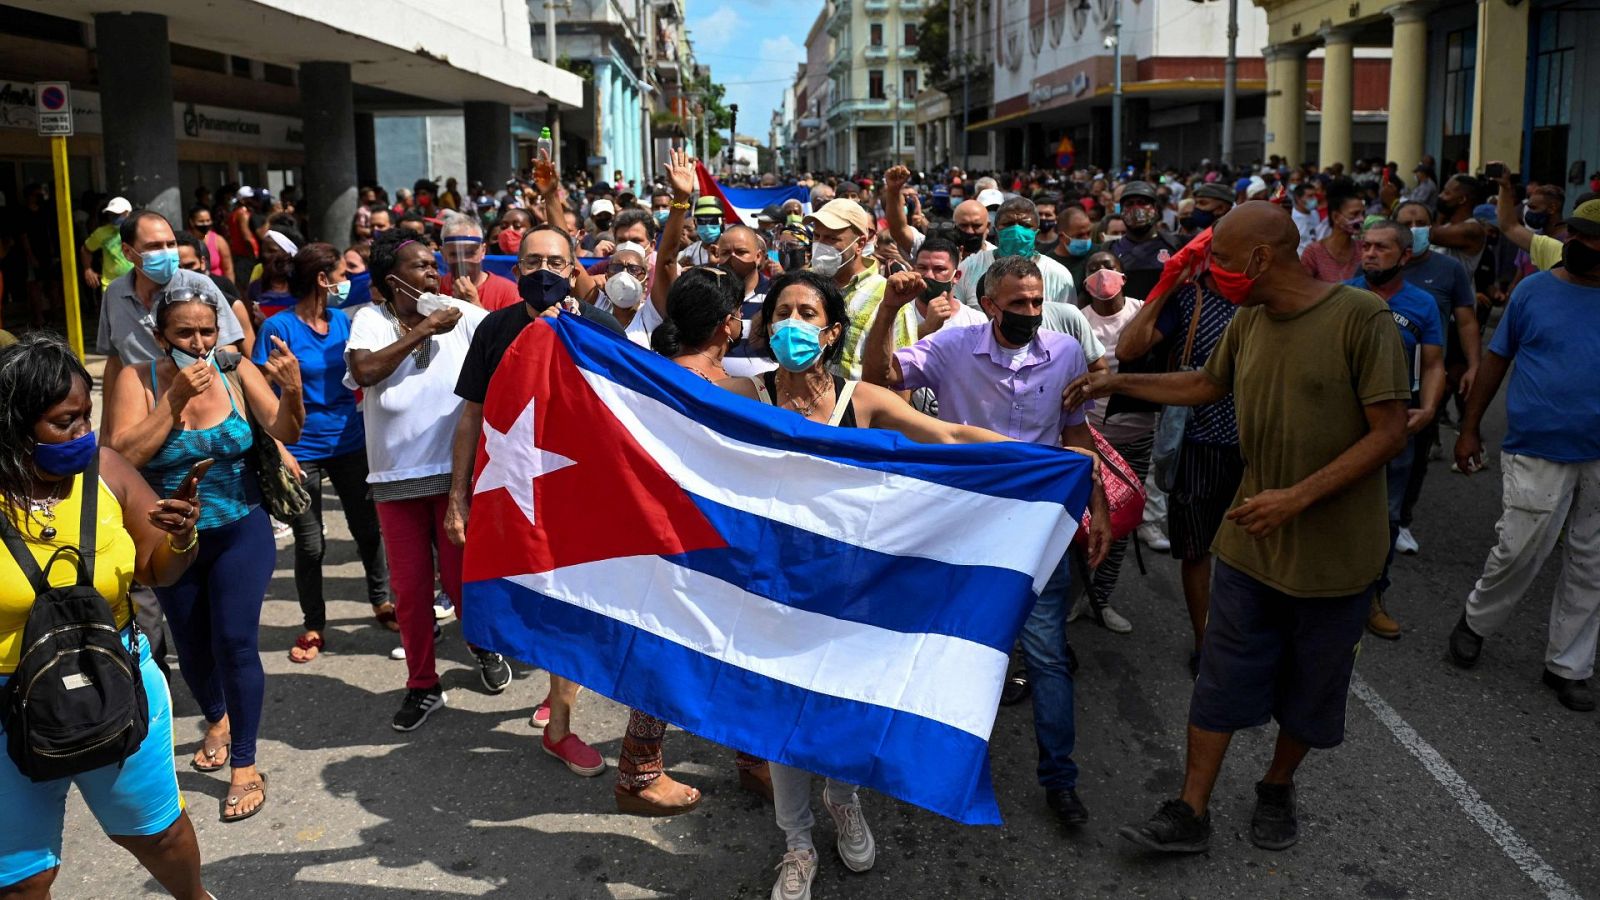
<point>245,193</point>
<point>283,243</point>
<point>119,206</point>
<point>1257,188</point>
<point>991,198</point>
<point>602,206</point>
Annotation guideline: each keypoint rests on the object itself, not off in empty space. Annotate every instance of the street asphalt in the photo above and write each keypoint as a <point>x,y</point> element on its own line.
<point>1451,783</point>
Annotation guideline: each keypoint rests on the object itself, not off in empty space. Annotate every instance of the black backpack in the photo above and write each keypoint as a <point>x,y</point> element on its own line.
<point>76,701</point>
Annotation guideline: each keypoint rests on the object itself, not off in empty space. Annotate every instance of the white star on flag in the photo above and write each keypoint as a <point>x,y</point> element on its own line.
<point>515,461</point>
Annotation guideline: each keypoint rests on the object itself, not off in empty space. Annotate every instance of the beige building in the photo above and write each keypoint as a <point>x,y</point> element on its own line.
<point>873,81</point>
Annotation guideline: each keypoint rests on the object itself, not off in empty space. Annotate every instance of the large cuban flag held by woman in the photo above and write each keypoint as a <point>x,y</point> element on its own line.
<point>840,600</point>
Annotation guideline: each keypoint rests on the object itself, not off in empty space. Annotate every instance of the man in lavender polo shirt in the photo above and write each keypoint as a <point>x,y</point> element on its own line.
<point>1007,375</point>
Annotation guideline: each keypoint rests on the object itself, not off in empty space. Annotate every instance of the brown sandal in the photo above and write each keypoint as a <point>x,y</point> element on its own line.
<point>758,781</point>
<point>210,753</point>
<point>635,803</point>
<point>386,617</point>
<point>237,792</point>
<point>309,645</point>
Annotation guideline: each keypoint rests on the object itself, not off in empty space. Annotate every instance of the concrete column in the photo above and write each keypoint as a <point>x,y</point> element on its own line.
<point>488,136</point>
<point>141,146</point>
<point>1286,101</point>
<point>327,108</point>
<point>1338,97</point>
<point>366,149</point>
<point>1408,84</point>
<point>1497,102</point>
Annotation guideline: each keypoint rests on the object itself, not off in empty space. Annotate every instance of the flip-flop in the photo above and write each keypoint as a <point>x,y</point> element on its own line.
<point>211,755</point>
<point>305,644</point>
<point>237,792</point>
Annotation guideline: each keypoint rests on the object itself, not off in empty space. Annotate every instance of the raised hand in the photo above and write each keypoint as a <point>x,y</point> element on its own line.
<point>680,174</point>
<point>282,367</point>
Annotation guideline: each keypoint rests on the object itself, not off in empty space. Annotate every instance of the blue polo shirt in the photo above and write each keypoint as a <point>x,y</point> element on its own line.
<point>1552,329</point>
<point>333,426</point>
<point>1417,316</point>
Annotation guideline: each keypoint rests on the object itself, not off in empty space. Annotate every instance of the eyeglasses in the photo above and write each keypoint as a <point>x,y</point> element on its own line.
<point>634,269</point>
<point>533,263</point>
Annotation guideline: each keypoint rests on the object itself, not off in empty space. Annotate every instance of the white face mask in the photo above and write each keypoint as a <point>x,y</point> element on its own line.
<point>623,290</point>
<point>826,259</point>
<point>430,303</point>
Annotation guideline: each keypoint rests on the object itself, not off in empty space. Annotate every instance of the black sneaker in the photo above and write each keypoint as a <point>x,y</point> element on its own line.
<point>1173,829</point>
<point>418,705</point>
<point>1273,826</point>
<point>1068,808</point>
<point>1465,644</point>
<point>493,669</point>
<point>1574,694</point>
<point>1016,689</point>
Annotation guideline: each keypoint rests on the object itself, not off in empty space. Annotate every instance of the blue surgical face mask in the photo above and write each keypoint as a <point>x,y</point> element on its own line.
<point>1311,204</point>
<point>795,344</point>
<point>661,216</point>
<point>1016,240</point>
<point>159,265</point>
<point>1080,246</point>
<point>339,294</point>
<point>184,359</point>
<point>360,289</point>
<point>62,460</point>
<point>1419,240</point>
<point>708,234</point>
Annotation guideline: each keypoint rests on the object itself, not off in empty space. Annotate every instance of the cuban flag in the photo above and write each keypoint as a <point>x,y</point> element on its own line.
<point>740,205</point>
<point>840,600</point>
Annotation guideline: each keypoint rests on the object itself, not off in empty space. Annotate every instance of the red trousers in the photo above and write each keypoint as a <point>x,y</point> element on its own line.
<point>413,536</point>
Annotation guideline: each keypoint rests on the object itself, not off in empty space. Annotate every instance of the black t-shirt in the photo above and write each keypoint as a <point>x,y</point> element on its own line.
<point>1142,261</point>
<point>495,335</point>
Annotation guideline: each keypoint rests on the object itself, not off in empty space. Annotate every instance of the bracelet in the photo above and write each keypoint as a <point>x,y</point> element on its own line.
<point>194,540</point>
<point>679,204</point>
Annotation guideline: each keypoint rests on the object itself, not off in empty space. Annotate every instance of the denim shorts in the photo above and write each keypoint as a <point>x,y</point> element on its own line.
<point>140,798</point>
<point>1268,655</point>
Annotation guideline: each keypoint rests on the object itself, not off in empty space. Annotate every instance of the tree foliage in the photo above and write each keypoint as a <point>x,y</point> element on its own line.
<point>933,41</point>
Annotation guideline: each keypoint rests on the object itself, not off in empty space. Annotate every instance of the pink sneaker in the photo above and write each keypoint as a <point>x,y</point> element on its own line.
<point>541,716</point>
<point>581,758</point>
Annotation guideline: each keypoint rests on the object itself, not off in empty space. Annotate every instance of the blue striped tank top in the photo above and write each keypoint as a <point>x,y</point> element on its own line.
<point>229,491</point>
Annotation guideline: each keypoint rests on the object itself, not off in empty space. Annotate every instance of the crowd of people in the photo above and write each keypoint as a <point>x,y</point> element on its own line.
<point>1260,362</point>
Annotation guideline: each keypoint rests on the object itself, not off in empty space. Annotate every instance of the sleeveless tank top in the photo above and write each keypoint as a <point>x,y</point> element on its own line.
<point>229,491</point>
<point>843,416</point>
<point>214,251</point>
<point>114,562</point>
<point>1470,260</point>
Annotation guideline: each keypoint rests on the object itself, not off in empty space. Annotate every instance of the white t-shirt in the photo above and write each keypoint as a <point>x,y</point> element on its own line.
<point>411,415</point>
<point>1124,427</point>
<point>963,316</point>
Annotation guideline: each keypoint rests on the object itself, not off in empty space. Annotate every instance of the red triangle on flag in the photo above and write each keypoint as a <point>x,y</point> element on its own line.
<point>596,493</point>
<point>710,188</point>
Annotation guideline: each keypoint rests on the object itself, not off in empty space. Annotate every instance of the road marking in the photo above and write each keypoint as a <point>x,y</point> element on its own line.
<point>1527,859</point>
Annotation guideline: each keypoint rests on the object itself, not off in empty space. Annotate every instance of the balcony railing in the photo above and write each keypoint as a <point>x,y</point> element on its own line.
<point>875,52</point>
<point>875,6</point>
<point>840,16</point>
<point>907,51</point>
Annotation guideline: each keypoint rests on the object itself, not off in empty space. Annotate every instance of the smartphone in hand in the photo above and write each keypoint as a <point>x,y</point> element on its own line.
<point>190,486</point>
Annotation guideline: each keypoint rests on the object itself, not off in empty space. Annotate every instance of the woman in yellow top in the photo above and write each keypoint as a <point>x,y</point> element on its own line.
<point>45,446</point>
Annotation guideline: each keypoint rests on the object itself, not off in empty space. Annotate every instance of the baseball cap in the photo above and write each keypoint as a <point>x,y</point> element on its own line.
<point>1486,213</point>
<point>991,198</point>
<point>119,206</point>
<point>1139,189</point>
<point>245,193</point>
<point>1257,188</point>
<point>840,214</point>
<point>707,206</point>
<point>602,206</point>
<point>1585,218</point>
<point>771,213</point>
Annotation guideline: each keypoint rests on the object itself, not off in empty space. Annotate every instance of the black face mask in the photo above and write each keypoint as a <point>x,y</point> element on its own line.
<point>1201,219</point>
<point>1447,209</point>
<point>968,242</point>
<point>1047,226</point>
<point>933,290</point>
<point>793,258</point>
<point>543,289</point>
<point>1017,328</point>
<point>1383,276</point>
<point>1581,259</point>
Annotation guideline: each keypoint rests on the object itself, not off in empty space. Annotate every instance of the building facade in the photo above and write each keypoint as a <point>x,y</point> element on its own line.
<point>874,80</point>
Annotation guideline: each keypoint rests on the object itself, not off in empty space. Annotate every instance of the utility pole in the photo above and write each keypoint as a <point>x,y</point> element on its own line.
<point>552,113</point>
<point>1230,84</point>
<point>733,136</point>
<point>1116,89</point>
<point>966,108</point>
<point>894,98</point>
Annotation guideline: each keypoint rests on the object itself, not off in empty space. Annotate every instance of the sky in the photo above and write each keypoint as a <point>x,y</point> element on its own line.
<point>752,47</point>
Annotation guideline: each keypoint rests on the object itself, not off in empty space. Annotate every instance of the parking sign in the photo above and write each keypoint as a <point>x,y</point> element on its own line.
<point>53,103</point>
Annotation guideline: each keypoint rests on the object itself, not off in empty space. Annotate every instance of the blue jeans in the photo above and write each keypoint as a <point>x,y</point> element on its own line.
<point>1044,650</point>
<point>1398,475</point>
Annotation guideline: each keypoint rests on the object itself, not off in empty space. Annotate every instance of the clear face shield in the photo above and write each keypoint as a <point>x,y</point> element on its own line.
<point>464,255</point>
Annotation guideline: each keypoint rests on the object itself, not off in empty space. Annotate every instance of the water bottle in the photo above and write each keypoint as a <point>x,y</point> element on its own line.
<point>546,146</point>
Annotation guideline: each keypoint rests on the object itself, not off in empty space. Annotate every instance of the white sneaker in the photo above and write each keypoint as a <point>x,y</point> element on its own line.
<point>1153,537</point>
<point>795,874</point>
<point>397,653</point>
<point>281,531</point>
<point>1113,621</point>
<point>856,846</point>
<point>442,607</point>
<point>1405,543</point>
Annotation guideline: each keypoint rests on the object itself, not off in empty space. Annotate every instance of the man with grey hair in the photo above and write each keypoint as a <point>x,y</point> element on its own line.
<point>1016,228</point>
<point>461,242</point>
<point>820,195</point>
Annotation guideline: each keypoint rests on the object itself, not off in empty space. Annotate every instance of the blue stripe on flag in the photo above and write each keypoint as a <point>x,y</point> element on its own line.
<point>916,759</point>
<point>757,199</point>
<point>808,571</point>
<point>1012,470</point>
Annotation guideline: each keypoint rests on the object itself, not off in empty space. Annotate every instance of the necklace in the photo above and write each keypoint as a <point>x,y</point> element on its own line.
<point>806,409</point>
<point>46,507</point>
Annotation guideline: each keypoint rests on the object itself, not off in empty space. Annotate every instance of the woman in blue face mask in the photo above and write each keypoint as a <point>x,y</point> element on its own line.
<point>803,317</point>
<point>180,409</point>
<point>49,467</point>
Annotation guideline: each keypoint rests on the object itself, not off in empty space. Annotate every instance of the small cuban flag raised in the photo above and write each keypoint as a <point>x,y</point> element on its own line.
<point>840,600</point>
